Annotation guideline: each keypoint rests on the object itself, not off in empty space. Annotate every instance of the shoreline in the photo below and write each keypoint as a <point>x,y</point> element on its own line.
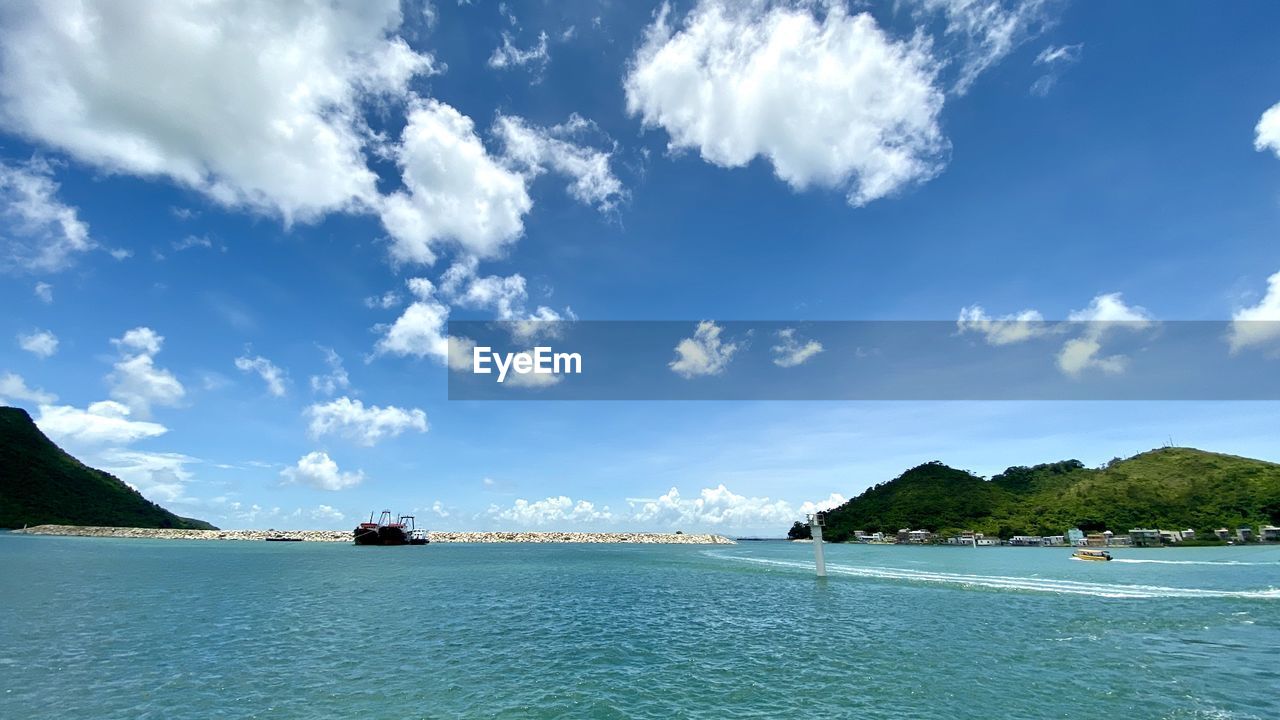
<point>344,536</point>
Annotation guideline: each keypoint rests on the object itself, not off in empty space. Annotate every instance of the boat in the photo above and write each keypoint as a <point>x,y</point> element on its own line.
<point>385,531</point>
<point>1091,554</point>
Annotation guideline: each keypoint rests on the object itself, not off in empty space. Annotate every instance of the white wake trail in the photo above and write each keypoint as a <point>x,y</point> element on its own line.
<point>1027,584</point>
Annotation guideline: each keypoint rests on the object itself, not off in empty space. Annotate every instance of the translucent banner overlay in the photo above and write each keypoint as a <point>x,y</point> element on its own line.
<point>864,360</point>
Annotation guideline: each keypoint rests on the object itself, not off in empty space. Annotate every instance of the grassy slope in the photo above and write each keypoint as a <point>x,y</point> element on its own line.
<point>39,483</point>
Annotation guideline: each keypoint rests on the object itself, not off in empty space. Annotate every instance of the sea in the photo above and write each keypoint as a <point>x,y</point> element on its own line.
<point>117,628</point>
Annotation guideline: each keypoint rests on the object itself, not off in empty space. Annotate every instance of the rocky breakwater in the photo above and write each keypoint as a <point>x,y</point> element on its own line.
<point>171,534</point>
<point>345,535</point>
<point>580,537</point>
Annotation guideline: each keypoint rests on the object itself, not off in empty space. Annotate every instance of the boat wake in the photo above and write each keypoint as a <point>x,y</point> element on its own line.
<point>1190,562</point>
<point>1026,584</point>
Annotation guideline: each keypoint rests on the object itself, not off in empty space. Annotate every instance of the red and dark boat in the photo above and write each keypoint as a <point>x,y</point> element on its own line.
<point>387,532</point>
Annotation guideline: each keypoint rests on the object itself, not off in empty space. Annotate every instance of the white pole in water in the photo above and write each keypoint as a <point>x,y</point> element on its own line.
<point>815,531</point>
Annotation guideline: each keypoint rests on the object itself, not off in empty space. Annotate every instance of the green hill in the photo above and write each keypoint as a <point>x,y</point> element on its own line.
<point>1166,488</point>
<point>39,484</point>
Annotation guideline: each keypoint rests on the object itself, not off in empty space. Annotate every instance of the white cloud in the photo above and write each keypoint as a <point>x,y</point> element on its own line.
<point>41,343</point>
<point>44,291</point>
<point>505,296</point>
<point>550,511</point>
<point>461,353</point>
<point>350,419</point>
<point>717,507</point>
<point>327,513</point>
<point>455,192</point>
<point>1268,131</point>
<point>253,104</point>
<point>420,329</point>
<point>319,471</point>
<point>834,500</point>
<point>1060,54</point>
<point>536,150</point>
<point>986,31</point>
<point>333,381</point>
<point>275,378</point>
<point>1259,324</point>
<point>135,380</point>
<point>508,55</point>
<point>13,389</point>
<point>831,101</point>
<point>41,233</point>
<point>793,350</point>
<point>1055,58</point>
<point>102,423</point>
<point>160,477</point>
<point>704,353</point>
<point>1004,330</point>
<point>1105,314</point>
<point>386,301</point>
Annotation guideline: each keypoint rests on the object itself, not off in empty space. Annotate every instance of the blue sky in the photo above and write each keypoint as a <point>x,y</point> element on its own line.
<point>226,257</point>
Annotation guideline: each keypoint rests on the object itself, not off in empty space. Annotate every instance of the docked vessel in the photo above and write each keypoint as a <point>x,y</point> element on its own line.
<point>401,531</point>
<point>1091,554</point>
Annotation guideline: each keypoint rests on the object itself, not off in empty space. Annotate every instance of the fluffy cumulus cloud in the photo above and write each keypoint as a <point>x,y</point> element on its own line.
<point>103,423</point>
<point>40,233</point>
<point>276,379</point>
<point>560,511</point>
<point>44,291</point>
<point>135,380</point>
<point>14,390</point>
<point>793,350</point>
<point>253,104</point>
<point>506,296</point>
<point>704,353</point>
<point>455,192</point>
<point>41,343</point>
<point>722,509</point>
<point>1003,330</point>
<point>161,477</point>
<point>420,329</point>
<point>1105,315</point>
<point>536,150</point>
<point>350,419</point>
<point>1268,131</point>
<point>1260,323</point>
<point>317,470</point>
<point>827,98</point>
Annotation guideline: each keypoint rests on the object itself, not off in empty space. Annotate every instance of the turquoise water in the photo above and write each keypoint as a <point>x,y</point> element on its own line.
<point>101,628</point>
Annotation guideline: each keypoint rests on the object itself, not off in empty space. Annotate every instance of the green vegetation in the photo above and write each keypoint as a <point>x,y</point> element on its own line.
<point>39,484</point>
<point>1169,488</point>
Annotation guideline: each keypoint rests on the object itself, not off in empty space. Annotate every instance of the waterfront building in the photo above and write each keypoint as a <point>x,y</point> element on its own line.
<point>1075,536</point>
<point>919,537</point>
<point>1170,537</point>
<point>1026,540</point>
<point>1097,540</point>
<point>1188,534</point>
<point>1222,533</point>
<point>983,541</point>
<point>1269,533</point>
<point>904,535</point>
<point>1244,534</point>
<point>1053,540</point>
<point>1144,537</point>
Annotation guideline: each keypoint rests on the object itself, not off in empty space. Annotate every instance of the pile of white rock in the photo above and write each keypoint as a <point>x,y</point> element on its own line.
<point>345,535</point>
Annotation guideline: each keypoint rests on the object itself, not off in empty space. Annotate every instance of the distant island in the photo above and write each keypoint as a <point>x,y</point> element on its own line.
<point>42,484</point>
<point>1170,487</point>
